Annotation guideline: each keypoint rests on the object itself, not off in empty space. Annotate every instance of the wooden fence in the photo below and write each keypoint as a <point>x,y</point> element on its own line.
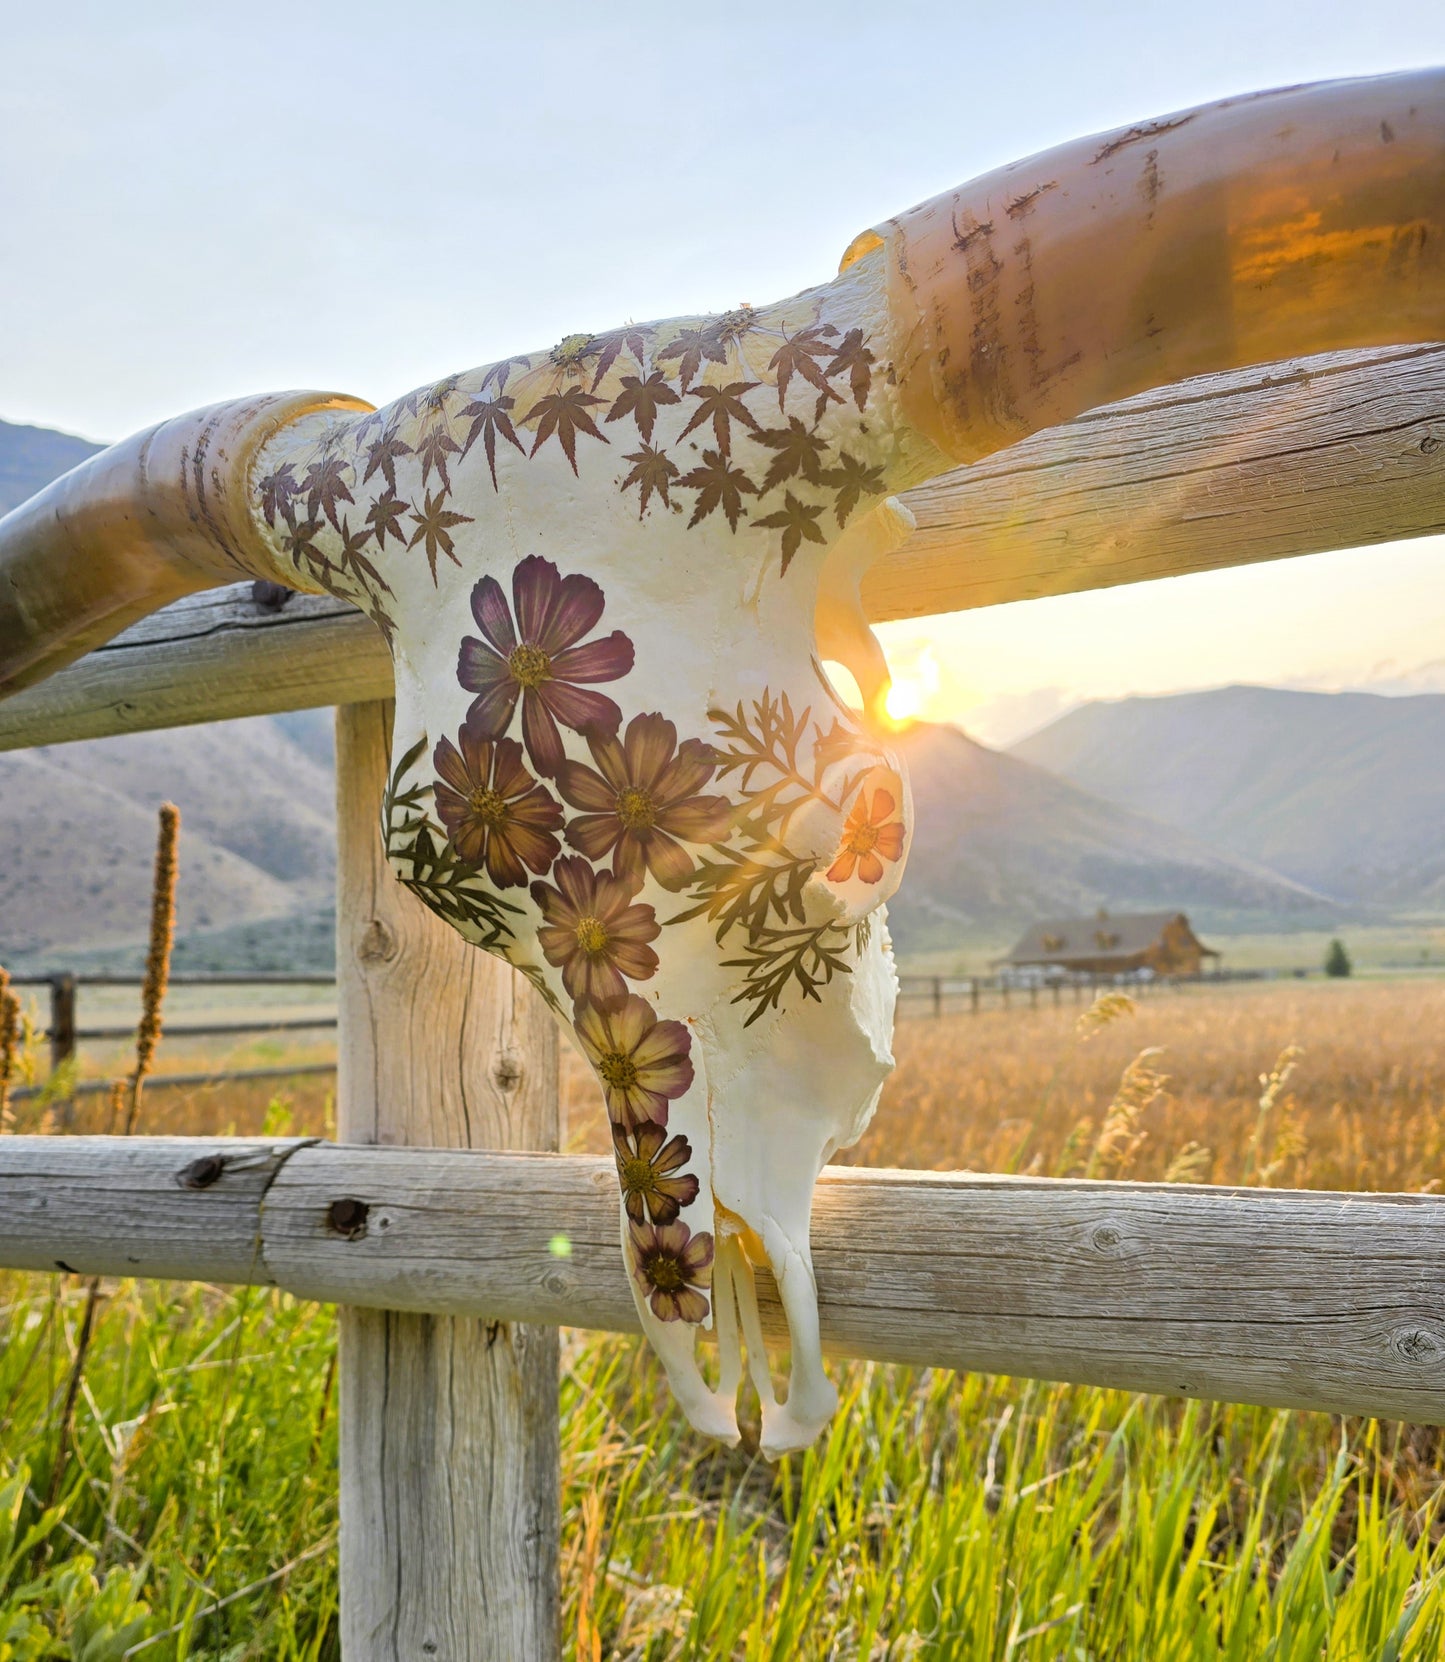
<point>442,1256</point>
<point>65,1032</point>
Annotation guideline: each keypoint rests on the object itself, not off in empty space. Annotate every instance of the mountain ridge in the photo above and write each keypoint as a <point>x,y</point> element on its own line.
<point>1342,792</point>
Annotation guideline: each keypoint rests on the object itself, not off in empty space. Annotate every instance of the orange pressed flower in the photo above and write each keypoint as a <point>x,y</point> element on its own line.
<point>870,837</point>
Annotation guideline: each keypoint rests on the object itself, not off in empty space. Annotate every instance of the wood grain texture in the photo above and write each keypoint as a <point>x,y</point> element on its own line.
<point>1339,451</point>
<point>209,657</point>
<point>1333,452</point>
<point>177,1208</point>
<point>450,1459</point>
<point>1302,1300</point>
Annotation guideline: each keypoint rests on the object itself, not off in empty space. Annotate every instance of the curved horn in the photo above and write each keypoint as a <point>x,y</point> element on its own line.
<point>160,515</point>
<point>1274,226</point>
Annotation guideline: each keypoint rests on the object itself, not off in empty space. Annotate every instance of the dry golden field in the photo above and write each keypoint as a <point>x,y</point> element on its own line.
<point>1026,1090</point>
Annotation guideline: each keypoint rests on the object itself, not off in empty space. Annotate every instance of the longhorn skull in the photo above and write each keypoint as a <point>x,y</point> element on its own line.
<point>609,571</point>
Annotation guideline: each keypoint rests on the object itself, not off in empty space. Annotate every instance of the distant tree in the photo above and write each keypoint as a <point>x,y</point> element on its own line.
<point>1337,960</point>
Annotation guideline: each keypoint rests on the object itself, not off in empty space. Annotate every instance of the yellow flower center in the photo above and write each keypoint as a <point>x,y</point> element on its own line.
<point>620,1072</point>
<point>636,1174</point>
<point>636,809</point>
<point>863,840</point>
<point>664,1272</point>
<point>529,666</point>
<point>591,936</point>
<point>489,806</point>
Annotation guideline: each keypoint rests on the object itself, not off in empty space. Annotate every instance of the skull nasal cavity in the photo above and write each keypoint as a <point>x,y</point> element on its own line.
<point>636,809</point>
<point>529,666</point>
<point>591,936</point>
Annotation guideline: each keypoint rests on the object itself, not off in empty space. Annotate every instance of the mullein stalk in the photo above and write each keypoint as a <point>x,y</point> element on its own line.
<point>9,1044</point>
<point>148,1036</point>
<point>158,958</point>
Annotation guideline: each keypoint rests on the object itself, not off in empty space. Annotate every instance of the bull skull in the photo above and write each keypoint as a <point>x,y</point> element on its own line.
<point>608,573</point>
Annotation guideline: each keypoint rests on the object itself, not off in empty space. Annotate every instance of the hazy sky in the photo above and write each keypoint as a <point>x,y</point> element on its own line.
<point>197,202</point>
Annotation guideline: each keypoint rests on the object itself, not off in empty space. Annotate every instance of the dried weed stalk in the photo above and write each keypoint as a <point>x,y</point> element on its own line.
<point>128,1092</point>
<point>158,958</point>
<point>9,1045</point>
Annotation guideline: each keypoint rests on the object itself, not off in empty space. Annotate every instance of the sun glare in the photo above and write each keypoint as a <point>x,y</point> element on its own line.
<point>904,701</point>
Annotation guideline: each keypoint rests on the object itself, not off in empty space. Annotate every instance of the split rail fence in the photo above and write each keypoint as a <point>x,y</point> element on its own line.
<point>432,1221</point>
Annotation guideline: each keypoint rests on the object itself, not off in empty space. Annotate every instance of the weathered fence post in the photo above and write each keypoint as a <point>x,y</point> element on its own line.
<point>937,996</point>
<point>450,1508</point>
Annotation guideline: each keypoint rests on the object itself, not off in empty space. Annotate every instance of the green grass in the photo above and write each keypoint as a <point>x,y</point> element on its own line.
<point>942,1516</point>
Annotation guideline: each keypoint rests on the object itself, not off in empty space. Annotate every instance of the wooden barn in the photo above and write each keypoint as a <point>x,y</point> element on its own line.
<point>1112,944</point>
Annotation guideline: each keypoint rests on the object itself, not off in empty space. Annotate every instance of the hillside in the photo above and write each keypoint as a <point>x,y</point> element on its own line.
<point>77,826</point>
<point>999,842</point>
<point>31,457</point>
<point>1343,792</point>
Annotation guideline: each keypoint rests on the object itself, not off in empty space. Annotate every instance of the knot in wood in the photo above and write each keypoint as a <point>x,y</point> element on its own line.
<point>506,1073</point>
<point>347,1218</point>
<point>202,1173</point>
<point>270,597</point>
<point>1106,1237</point>
<point>1429,445</point>
<point>377,945</point>
<point>1417,1344</point>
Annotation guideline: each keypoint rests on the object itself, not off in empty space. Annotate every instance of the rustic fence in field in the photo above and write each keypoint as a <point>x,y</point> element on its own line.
<point>66,1032</point>
<point>434,1223</point>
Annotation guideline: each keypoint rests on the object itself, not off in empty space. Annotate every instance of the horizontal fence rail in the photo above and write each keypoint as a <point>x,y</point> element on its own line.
<point>65,1033</point>
<point>1332,452</point>
<point>1288,1299</point>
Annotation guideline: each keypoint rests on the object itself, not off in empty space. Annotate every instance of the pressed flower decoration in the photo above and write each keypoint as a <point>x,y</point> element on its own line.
<point>643,1063</point>
<point>594,932</point>
<point>650,1171</point>
<point>872,834</point>
<point>565,822</point>
<point>497,816</point>
<point>642,802</point>
<point>538,659</point>
<point>674,1268</point>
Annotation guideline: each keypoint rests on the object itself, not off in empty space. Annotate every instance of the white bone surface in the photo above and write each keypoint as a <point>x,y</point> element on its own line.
<point>694,493</point>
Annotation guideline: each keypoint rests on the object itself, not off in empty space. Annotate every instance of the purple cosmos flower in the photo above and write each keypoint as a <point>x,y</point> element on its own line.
<point>538,659</point>
<point>496,814</point>
<point>672,1265</point>
<point>642,804</point>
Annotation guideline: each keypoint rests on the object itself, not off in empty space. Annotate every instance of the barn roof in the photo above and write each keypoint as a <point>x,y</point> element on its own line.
<point>1106,935</point>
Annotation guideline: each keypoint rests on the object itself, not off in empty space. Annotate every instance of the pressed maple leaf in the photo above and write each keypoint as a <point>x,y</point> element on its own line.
<point>432,450</point>
<point>722,405</point>
<point>325,486</point>
<point>384,453</point>
<point>383,518</point>
<point>565,414</point>
<point>852,479</point>
<point>499,373</point>
<point>798,521</point>
<point>434,523</point>
<point>641,400</point>
<point>278,491</point>
<point>692,346</point>
<point>353,558</point>
<point>609,347</point>
<point>653,471</point>
<point>852,355</point>
<point>799,452</point>
<point>489,417</point>
<point>299,544</point>
<point>799,355</point>
<point>718,485</point>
